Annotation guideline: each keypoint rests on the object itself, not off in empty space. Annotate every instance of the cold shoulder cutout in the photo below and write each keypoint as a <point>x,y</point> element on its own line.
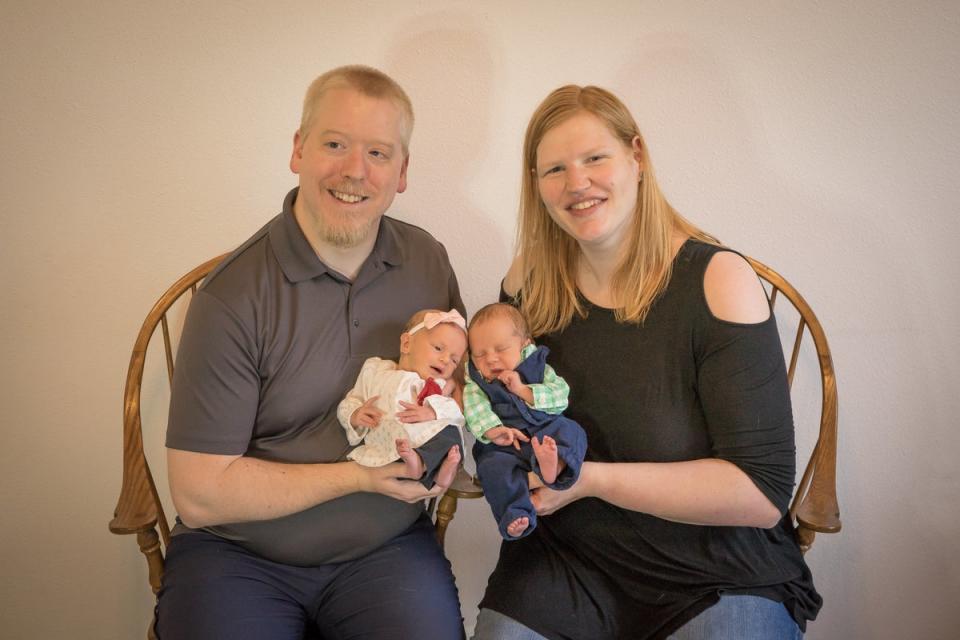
<point>733,291</point>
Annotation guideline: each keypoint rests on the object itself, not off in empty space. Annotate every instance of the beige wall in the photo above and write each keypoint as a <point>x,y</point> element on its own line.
<point>139,138</point>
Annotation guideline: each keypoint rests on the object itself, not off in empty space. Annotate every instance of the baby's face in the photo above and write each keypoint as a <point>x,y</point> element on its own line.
<point>435,353</point>
<point>495,347</point>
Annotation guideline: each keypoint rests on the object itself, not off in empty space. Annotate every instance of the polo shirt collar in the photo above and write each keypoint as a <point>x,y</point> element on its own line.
<point>387,248</point>
<point>299,261</point>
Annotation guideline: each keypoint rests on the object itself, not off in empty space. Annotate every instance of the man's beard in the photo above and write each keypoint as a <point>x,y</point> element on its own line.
<point>348,234</point>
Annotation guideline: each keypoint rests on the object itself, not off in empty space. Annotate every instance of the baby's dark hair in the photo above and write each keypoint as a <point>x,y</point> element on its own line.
<point>501,310</point>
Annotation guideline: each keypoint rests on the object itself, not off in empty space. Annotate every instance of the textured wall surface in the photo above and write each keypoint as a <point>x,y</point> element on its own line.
<point>140,138</point>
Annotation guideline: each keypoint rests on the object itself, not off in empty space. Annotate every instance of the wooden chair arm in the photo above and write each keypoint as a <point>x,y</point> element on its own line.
<point>819,510</point>
<point>136,510</point>
<point>815,507</point>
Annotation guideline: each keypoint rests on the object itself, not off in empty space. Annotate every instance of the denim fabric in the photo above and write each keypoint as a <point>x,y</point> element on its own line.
<point>741,618</point>
<point>732,618</point>
<point>492,625</point>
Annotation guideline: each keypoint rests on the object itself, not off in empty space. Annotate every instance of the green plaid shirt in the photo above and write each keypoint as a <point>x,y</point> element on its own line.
<point>550,396</point>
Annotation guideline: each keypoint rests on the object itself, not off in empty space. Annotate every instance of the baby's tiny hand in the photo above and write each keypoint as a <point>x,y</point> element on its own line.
<point>412,412</point>
<point>511,380</point>
<point>505,436</point>
<point>367,415</point>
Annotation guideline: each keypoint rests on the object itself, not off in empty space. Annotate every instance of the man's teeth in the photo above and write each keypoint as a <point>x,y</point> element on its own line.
<point>586,204</point>
<point>346,197</point>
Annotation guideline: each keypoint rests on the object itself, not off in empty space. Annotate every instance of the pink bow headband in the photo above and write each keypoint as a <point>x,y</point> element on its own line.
<point>433,318</point>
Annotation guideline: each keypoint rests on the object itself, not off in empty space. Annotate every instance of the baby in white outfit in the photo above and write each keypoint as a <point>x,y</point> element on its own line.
<point>405,410</point>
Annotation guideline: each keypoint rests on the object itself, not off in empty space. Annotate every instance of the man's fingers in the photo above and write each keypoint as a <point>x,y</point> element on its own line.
<point>412,491</point>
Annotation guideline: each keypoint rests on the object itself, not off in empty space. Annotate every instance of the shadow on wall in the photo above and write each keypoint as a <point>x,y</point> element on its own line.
<point>447,66</point>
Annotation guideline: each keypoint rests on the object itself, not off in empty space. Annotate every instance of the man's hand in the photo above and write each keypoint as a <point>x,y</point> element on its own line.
<point>412,412</point>
<point>389,480</point>
<point>367,415</point>
<point>505,436</point>
<point>511,380</point>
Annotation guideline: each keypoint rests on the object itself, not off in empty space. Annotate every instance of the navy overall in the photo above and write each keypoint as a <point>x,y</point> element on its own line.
<point>503,470</point>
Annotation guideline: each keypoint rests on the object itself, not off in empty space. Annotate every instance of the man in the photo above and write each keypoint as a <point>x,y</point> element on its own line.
<point>278,535</point>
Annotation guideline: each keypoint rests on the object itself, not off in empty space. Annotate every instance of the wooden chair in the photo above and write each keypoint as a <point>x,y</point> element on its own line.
<point>140,510</point>
<point>814,508</point>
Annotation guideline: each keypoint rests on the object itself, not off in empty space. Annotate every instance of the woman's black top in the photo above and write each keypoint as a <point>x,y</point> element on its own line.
<point>684,385</point>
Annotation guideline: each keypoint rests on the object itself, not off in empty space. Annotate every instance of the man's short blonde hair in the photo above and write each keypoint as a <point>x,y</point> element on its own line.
<point>370,82</point>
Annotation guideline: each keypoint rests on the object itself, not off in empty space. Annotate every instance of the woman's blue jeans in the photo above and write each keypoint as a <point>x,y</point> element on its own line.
<point>732,618</point>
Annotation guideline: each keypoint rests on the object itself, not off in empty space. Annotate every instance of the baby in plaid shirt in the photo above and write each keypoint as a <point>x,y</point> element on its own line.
<point>513,402</point>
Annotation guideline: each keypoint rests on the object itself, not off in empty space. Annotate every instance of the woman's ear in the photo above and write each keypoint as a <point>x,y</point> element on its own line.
<point>637,148</point>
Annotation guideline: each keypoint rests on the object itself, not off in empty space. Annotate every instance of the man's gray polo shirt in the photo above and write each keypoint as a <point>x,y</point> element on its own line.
<point>272,341</point>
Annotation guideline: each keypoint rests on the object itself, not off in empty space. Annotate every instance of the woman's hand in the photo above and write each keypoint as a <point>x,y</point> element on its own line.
<point>546,500</point>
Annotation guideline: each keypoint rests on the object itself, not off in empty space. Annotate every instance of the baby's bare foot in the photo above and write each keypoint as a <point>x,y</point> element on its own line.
<point>410,458</point>
<point>448,470</point>
<point>546,452</point>
<point>518,526</point>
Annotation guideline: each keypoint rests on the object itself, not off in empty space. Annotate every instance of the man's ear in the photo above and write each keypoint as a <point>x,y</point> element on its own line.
<point>297,154</point>
<point>402,185</point>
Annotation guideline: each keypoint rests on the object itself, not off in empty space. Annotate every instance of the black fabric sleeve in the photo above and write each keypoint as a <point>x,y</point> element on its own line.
<point>216,384</point>
<point>507,298</point>
<point>742,384</point>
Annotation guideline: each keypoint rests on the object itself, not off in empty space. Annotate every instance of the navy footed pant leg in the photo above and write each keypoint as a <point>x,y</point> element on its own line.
<point>571,448</point>
<point>503,475</point>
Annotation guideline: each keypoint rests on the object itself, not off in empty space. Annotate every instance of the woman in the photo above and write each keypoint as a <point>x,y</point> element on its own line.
<point>677,527</point>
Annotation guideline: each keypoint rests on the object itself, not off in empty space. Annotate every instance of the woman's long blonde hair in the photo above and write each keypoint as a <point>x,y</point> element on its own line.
<point>549,255</point>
